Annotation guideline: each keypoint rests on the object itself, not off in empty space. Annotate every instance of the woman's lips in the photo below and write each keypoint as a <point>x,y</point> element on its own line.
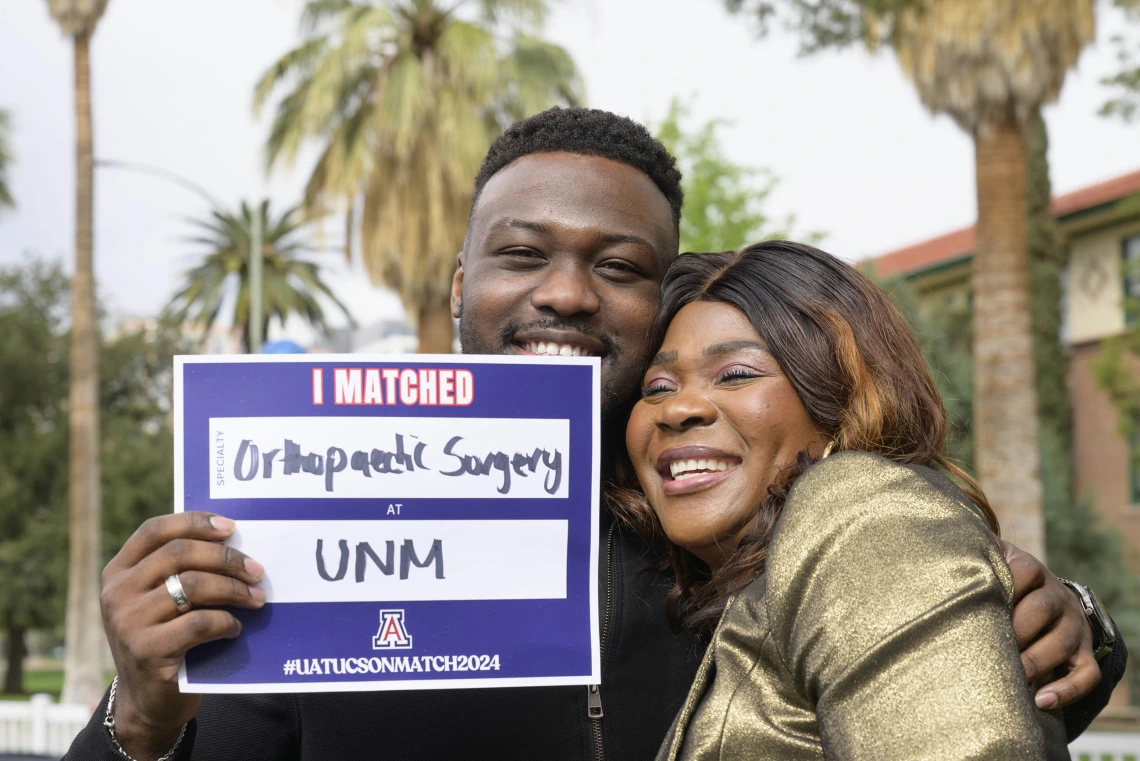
<point>694,483</point>
<point>692,467</point>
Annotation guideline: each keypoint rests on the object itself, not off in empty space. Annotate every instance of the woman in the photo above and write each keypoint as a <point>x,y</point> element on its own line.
<point>789,444</point>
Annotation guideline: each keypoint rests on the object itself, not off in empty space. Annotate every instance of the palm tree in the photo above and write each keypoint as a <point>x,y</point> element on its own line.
<point>83,638</point>
<point>991,66</point>
<point>291,283</point>
<point>5,160</point>
<point>405,96</point>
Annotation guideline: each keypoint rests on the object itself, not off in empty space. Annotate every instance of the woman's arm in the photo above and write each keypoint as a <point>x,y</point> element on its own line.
<point>890,604</point>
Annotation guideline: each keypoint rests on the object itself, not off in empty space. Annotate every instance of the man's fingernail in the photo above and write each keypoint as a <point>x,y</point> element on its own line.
<point>257,593</point>
<point>221,524</point>
<point>253,568</point>
<point>1047,700</point>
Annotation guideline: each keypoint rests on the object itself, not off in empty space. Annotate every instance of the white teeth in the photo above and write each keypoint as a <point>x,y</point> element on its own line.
<point>681,469</point>
<point>551,349</point>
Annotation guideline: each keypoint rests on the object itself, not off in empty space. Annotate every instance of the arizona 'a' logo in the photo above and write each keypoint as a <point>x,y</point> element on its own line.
<point>393,635</point>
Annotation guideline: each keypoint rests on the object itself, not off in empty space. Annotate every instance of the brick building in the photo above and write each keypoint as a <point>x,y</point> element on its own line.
<point>1101,224</point>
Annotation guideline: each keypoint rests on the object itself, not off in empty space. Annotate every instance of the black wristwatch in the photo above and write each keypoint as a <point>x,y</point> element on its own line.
<point>1104,636</point>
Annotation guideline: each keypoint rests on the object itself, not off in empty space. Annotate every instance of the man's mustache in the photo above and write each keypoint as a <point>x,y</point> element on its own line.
<point>511,331</point>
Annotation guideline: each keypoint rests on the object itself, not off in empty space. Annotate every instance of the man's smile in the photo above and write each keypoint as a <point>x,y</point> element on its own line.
<point>552,342</point>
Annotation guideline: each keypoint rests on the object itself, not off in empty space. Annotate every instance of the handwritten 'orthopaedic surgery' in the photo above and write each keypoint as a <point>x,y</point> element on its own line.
<point>453,460</point>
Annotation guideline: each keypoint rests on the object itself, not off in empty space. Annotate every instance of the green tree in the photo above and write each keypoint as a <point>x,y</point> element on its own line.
<point>5,160</point>
<point>404,97</point>
<point>291,280</point>
<point>82,681</point>
<point>134,401</point>
<point>1125,84</point>
<point>991,67</point>
<point>724,201</point>
<point>1079,545</point>
<point>33,456</point>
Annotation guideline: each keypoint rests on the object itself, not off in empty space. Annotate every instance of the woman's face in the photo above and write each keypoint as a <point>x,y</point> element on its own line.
<point>716,422</point>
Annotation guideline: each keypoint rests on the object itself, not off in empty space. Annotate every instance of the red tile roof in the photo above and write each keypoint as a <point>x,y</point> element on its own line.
<point>960,243</point>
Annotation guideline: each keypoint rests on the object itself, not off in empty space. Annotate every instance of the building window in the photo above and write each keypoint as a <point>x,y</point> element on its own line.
<point>1131,256</point>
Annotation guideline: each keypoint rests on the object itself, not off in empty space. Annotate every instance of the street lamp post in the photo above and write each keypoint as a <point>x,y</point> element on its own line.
<point>256,261</point>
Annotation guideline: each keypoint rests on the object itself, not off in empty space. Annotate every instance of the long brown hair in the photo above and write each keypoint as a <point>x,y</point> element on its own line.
<point>852,360</point>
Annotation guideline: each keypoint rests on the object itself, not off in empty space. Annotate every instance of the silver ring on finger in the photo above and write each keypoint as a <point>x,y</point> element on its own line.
<point>178,594</point>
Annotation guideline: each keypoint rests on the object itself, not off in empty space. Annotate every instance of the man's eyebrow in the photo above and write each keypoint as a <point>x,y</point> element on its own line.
<point>626,238</point>
<point>663,358</point>
<point>730,346</point>
<point>537,227</point>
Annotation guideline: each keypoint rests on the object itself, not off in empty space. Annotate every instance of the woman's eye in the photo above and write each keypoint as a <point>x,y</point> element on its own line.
<point>655,388</point>
<point>738,374</point>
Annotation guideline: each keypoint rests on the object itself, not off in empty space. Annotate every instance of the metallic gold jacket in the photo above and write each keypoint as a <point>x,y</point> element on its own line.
<point>880,629</point>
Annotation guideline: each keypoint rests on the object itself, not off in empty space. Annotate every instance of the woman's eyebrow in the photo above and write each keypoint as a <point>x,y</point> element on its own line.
<point>730,346</point>
<point>663,358</point>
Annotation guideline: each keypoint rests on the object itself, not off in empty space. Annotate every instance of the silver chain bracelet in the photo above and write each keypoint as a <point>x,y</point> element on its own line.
<point>109,723</point>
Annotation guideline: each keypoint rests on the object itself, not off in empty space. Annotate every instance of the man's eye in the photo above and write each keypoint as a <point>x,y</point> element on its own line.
<point>522,256</point>
<point>619,267</point>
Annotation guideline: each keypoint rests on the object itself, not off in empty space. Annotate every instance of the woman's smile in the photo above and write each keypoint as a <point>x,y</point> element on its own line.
<point>694,467</point>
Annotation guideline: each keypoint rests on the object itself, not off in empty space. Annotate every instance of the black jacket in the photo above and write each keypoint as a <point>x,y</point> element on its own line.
<point>647,669</point>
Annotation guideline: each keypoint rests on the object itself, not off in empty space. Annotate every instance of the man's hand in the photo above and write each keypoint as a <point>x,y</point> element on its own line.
<point>1051,631</point>
<point>149,637</point>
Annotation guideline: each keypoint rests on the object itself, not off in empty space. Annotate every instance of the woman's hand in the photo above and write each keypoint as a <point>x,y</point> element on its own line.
<point>1051,631</point>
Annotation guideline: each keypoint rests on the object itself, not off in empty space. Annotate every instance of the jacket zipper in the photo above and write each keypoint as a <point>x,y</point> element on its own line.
<point>594,696</point>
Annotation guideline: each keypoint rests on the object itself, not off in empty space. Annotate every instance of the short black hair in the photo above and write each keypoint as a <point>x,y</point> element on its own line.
<point>587,132</point>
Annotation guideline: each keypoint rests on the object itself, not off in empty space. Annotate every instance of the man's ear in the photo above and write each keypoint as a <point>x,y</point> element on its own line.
<point>457,287</point>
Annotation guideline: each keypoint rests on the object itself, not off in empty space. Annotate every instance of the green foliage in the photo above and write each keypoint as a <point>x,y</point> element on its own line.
<point>1125,84</point>
<point>33,446</point>
<point>822,24</point>
<point>1079,545</point>
<point>291,280</point>
<point>404,97</point>
<point>5,159</point>
<point>945,334</point>
<point>137,441</point>
<point>724,201</point>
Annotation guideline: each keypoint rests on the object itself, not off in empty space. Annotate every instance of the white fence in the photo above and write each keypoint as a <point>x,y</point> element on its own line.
<point>39,726</point>
<point>1106,746</point>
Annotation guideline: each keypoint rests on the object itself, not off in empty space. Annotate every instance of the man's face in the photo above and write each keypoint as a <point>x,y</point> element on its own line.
<point>565,255</point>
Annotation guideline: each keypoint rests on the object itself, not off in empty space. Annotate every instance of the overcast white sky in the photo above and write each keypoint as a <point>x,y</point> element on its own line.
<point>857,155</point>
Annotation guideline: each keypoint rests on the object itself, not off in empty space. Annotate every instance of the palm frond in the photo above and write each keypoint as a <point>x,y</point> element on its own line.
<point>404,97</point>
<point>77,17</point>
<point>291,281</point>
<point>985,63</point>
<point>5,160</point>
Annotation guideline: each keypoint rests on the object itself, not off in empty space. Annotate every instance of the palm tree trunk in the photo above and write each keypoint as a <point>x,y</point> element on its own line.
<point>1005,398</point>
<point>82,680</point>
<point>436,329</point>
<point>17,651</point>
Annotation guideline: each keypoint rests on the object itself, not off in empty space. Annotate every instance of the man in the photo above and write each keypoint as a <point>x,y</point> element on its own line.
<point>574,222</point>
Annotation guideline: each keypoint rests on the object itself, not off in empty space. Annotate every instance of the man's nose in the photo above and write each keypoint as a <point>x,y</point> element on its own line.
<point>567,290</point>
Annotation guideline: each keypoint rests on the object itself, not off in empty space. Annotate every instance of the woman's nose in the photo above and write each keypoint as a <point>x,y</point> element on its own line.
<point>685,409</point>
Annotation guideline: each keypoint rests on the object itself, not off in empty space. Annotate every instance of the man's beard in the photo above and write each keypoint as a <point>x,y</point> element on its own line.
<point>616,401</point>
